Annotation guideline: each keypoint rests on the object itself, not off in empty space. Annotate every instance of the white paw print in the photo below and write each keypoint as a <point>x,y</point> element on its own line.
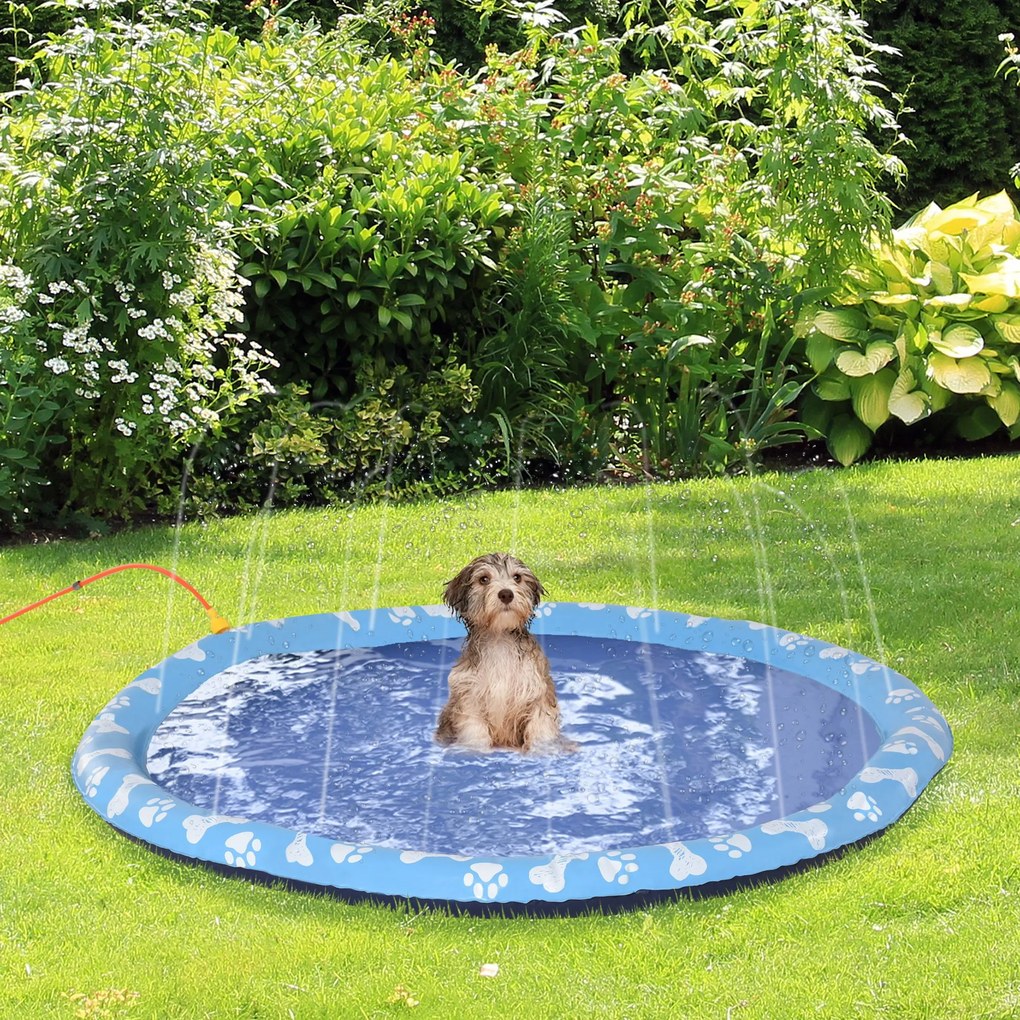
<point>734,846</point>
<point>403,615</point>
<point>155,810</point>
<point>790,641</point>
<point>345,853</point>
<point>120,701</point>
<point>617,867</point>
<point>96,776</point>
<point>241,850</point>
<point>863,807</point>
<point>833,652</point>
<point>902,694</point>
<point>638,612</point>
<point>486,880</point>
<point>545,609</point>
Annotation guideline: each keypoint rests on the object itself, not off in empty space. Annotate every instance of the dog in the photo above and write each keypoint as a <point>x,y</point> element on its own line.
<point>501,687</point>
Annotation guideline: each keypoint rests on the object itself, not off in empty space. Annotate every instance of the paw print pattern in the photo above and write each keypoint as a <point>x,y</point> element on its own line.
<point>345,853</point>
<point>791,641</point>
<point>901,695</point>
<point>486,880</point>
<point>617,867</point>
<point>155,810</point>
<point>833,652</point>
<point>734,846</point>
<point>863,807</point>
<point>403,615</point>
<point>119,802</point>
<point>242,850</point>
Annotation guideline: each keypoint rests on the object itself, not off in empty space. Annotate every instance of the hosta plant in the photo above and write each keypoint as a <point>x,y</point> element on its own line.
<point>930,323</point>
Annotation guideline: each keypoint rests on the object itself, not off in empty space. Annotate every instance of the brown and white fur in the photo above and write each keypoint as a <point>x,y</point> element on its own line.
<point>501,688</point>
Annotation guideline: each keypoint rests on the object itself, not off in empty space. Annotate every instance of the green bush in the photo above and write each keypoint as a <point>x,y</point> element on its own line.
<point>701,195</point>
<point>930,323</point>
<point>121,297</point>
<point>964,123</point>
<point>554,259</point>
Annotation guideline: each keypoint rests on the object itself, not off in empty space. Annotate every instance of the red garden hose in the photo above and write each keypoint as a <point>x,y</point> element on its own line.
<point>217,623</point>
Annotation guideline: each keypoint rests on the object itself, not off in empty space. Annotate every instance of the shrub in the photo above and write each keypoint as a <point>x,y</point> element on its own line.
<point>963,123</point>
<point>718,165</point>
<point>121,298</point>
<point>929,323</point>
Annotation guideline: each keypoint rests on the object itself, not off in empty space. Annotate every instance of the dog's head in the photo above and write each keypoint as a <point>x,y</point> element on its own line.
<point>495,591</point>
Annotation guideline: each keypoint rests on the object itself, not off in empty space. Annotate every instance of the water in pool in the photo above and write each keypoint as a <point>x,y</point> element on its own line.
<point>674,745</point>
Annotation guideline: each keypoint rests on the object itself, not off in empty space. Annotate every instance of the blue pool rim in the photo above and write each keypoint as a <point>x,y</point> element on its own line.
<point>109,770</point>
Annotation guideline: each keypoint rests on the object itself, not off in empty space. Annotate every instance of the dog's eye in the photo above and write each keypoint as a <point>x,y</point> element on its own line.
<point>517,578</point>
<point>484,579</point>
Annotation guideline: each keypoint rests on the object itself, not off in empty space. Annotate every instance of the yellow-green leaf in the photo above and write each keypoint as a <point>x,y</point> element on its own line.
<point>832,386</point>
<point>856,364</point>
<point>842,323</point>
<point>968,376</point>
<point>1007,404</point>
<point>871,397</point>
<point>848,439</point>
<point>1008,327</point>
<point>959,341</point>
<point>908,404</point>
<point>993,303</point>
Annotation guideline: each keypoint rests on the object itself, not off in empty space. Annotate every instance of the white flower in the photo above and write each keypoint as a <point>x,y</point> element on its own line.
<point>58,366</point>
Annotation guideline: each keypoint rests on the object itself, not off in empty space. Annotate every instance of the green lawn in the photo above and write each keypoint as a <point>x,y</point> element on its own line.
<point>915,564</point>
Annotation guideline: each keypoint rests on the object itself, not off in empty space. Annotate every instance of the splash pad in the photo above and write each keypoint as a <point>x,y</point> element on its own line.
<point>710,751</point>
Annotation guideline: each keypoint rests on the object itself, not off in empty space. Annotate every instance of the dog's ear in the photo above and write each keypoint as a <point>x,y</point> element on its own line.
<point>455,595</point>
<point>537,592</point>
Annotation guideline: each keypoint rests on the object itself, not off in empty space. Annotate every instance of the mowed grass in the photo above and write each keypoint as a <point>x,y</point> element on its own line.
<point>915,564</point>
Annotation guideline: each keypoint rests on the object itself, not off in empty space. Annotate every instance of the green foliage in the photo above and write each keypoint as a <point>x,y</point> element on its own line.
<point>963,123</point>
<point>461,277</point>
<point>121,289</point>
<point>740,154</point>
<point>930,322</point>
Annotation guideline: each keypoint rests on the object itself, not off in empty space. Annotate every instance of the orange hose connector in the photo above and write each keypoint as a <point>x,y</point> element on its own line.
<point>217,624</point>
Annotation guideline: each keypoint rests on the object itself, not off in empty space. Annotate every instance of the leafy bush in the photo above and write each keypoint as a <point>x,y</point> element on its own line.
<point>740,154</point>
<point>930,323</point>
<point>122,297</point>
<point>555,258</point>
<point>964,125</point>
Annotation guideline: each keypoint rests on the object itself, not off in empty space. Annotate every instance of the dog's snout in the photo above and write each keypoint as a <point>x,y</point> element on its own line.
<point>506,596</point>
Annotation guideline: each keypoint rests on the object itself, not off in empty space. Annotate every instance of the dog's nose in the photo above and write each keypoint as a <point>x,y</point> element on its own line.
<point>506,596</point>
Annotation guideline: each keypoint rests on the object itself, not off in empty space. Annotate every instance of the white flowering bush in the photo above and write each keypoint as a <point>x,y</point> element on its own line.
<point>120,299</point>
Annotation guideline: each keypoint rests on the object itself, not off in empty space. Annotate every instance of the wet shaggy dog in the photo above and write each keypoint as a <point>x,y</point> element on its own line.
<point>501,688</point>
